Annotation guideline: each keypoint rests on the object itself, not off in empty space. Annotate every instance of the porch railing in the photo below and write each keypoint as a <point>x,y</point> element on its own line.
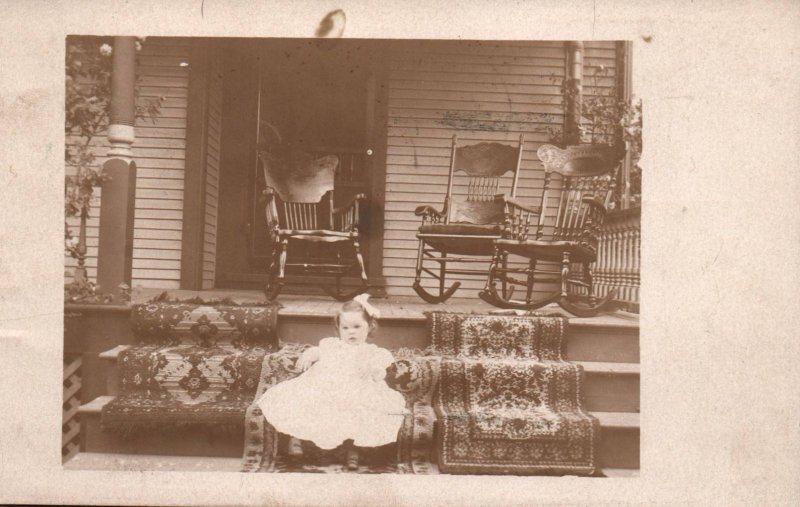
<point>618,257</point>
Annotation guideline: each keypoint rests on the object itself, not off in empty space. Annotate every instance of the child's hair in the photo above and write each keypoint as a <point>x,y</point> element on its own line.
<point>355,306</point>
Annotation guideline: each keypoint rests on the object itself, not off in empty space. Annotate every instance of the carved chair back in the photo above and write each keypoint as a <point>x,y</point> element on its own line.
<point>587,183</point>
<point>302,189</point>
<point>482,167</point>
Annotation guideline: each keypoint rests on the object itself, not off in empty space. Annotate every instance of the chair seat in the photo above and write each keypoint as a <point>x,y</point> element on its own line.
<point>548,250</point>
<point>462,229</point>
<point>461,239</point>
<point>322,235</point>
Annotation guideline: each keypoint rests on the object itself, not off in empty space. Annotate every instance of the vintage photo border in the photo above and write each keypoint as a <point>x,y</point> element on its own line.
<point>719,407</point>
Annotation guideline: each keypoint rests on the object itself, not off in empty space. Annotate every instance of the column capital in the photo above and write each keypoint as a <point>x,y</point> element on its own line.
<point>123,100</point>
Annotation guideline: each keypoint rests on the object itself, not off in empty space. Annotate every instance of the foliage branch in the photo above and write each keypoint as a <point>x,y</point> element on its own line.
<point>88,69</point>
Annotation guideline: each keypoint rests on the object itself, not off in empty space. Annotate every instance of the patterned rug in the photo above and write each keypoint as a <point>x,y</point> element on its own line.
<point>413,375</point>
<point>508,403</point>
<point>195,365</point>
<point>206,325</point>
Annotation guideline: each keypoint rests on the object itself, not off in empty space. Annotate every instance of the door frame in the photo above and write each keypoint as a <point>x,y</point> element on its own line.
<point>192,256</point>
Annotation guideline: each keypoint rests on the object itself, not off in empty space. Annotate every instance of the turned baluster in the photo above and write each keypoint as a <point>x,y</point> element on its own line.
<point>601,271</point>
<point>637,236</point>
<point>524,235</point>
<point>540,225</point>
<point>627,259</point>
<point>616,278</point>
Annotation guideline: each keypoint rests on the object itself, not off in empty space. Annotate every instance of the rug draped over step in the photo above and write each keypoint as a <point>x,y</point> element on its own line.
<point>507,402</point>
<point>194,365</point>
<point>413,375</point>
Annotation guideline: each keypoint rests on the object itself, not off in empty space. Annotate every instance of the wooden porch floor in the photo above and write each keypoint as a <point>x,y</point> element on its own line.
<point>394,307</point>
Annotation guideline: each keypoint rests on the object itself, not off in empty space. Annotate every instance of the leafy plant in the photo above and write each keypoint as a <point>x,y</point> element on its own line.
<point>607,119</point>
<point>87,106</point>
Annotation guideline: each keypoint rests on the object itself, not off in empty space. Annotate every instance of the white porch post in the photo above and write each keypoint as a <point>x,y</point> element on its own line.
<point>115,248</point>
<point>123,106</point>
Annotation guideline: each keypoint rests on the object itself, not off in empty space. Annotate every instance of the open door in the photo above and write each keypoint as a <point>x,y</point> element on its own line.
<point>311,95</point>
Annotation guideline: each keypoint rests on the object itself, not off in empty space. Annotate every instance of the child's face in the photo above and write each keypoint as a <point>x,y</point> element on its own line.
<point>353,329</point>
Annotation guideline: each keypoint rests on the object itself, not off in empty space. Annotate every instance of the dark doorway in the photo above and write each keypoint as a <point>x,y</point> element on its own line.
<point>318,96</point>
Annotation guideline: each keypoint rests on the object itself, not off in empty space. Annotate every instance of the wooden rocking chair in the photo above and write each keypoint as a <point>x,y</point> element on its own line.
<point>300,208</point>
<point>566,234</point>
<point>468,224</point>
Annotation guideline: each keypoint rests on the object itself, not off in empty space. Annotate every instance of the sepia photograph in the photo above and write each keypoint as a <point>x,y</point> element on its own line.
<point>399,253</point>
<point>332,255</point>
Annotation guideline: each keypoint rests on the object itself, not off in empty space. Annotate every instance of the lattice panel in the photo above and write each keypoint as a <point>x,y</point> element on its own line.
<point>70,428</point>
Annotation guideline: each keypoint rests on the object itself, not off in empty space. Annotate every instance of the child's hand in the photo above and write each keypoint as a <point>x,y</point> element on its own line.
<point>307,358</point>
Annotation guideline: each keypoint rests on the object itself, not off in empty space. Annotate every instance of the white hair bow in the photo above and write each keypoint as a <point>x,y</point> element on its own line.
<point>371,310</point>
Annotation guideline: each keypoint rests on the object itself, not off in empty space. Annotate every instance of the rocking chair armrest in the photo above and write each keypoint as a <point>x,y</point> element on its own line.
<point>516,204</point>
<point>268,193</point>
<point>429,211</point>
<point>352,202</point>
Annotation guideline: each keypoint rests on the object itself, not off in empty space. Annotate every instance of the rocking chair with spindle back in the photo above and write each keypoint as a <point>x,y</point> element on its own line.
<point>566,234</point>
<point>299,208</point>
<point>468,223</point>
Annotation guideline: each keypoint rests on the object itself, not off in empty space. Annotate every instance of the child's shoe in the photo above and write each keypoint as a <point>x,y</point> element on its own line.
<point>295,447</point>
<point>352,459</point>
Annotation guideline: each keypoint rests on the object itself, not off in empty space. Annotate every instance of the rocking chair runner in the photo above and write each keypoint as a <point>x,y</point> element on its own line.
<point>299,207</point>
<point>469,223</point>
<point>566,234</point>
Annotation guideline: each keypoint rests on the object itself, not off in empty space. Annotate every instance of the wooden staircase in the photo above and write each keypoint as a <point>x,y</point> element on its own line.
<point>606,346</point>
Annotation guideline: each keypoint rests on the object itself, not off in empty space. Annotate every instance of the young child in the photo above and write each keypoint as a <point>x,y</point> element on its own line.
<point>341,398</point>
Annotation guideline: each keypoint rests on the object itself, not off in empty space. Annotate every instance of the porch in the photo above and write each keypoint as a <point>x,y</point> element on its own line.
<point>388,109</point>
<point>194,226</point>
<point>606,346</point>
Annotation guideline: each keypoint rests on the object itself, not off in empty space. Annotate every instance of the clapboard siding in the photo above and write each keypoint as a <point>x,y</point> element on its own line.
<point>214,124</point>
<point>479,91</point>
<point>600,74</point>
<point>159,153</point>
<point>482,91</point>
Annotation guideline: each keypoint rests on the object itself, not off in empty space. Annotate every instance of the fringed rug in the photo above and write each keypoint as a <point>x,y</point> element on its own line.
<point>508,403</point>
<point>195,365</point>
<point>206,325</point>
<point>414,376</point>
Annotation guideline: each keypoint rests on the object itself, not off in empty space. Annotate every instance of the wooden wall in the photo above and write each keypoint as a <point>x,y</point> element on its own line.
<point>159,152</point>
<point>482,91</point>
<point>213,157</point>
<point>600,79</point>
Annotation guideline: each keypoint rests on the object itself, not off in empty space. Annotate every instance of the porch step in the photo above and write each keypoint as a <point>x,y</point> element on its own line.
<point>609,339</point>
<point>144,463</point>
<point>191,441</point>
<point>150,462</point>
<point>609,387</point>
<point>619,439</point>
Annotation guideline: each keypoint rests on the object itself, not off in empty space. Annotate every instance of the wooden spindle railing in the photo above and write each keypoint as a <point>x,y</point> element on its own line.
<point>618,258</point>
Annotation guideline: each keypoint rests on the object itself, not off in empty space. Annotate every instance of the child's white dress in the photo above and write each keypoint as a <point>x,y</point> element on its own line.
<point>337,399</point>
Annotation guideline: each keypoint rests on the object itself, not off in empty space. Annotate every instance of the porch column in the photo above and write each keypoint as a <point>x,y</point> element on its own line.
<point>115,249</point>
<point>573,92</point>
<point>624,62</point>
